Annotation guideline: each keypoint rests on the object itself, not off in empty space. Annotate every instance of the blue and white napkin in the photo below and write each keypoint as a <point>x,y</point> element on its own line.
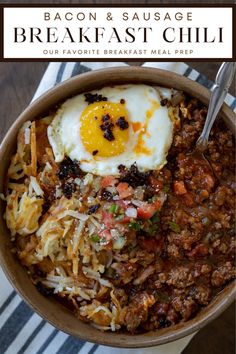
<point>21,330</point>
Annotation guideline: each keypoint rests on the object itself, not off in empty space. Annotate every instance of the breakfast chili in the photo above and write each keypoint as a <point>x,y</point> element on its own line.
<point>163,240</point>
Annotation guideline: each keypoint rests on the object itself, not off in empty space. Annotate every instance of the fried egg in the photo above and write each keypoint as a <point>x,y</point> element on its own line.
<point>111,126</point>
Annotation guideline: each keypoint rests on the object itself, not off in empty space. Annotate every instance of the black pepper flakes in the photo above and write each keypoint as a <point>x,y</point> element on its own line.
<point>95,152</point>
<point>91,98</point>
<point>122,101</point>
<point>93,209</point>
<point>122,123</point>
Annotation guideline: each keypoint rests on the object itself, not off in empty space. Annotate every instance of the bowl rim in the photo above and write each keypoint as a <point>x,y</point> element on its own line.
<point>158,337</point>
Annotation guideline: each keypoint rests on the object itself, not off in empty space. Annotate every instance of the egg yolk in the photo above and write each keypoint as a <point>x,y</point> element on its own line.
<point>100,129</point>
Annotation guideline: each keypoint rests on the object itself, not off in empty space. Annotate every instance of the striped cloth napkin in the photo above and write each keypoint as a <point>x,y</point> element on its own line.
<point>22,330</point>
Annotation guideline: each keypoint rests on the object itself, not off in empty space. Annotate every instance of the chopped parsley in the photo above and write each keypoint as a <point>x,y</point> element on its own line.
<point>155,218</point>
<point>114,208</point>
<point>135,226</point>
<point>174,227</point>
<point>166,188</point>
<point>95,238</point>
<point>120,217</point>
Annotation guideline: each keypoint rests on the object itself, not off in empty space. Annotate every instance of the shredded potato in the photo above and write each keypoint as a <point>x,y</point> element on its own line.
<point>23,213</point>
<point>58,242</point>
<point>33,150</point>
<point>23,149</point>
<point>16,170</point>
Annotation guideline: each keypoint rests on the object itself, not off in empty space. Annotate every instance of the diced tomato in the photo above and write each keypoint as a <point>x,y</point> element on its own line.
<point>105,234</point>
<point>156,184</point>
<point>124,190</point>
<point>151,244</point>
<point>125,220</point>
<point>108,181</point>
<point>146,211</point>
<point>122,204</point>
<point>199,251</point>
<point>109,245</point>
<point>179,187</point>
<point>108,219</point>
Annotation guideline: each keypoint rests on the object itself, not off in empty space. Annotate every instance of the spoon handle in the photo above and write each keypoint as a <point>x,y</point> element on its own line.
<point>223,81</point>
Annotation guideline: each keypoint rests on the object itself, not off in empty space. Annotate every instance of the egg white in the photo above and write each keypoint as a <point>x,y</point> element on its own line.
<point>64,131</point>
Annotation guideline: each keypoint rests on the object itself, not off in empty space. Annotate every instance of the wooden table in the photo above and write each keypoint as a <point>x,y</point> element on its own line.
<point>18,82</point>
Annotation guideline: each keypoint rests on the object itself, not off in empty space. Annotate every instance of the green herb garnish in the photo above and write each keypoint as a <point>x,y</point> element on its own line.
<point>95,238</point>
<point>135,226</point>
<point>166,188</point>
<point>120,217</point>
<point>155,218</point>
<point>152,229</point>
<point>174,227</point>
<point>152,199</point>
<point>114,208</point>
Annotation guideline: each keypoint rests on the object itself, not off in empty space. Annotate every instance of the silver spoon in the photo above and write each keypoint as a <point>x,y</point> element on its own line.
<point>223,81</point>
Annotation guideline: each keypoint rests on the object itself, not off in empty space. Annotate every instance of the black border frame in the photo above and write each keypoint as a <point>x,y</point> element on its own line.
<point>2,6</point>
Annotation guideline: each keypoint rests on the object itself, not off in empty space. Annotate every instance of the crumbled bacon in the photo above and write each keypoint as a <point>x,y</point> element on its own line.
<point>108,135</point>
<point>107,127</point>
<point>93,209</point>
<point>68,189</point>
<point>69,168</point>
<point>133,176</point>
<point>122,123</point>
<point>91,98</point>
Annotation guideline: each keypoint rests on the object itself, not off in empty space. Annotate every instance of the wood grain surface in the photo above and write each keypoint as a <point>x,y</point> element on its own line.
<point>18,82</point>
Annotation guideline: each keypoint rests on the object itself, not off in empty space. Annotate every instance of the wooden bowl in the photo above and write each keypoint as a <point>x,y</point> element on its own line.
<point>50,309</point>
